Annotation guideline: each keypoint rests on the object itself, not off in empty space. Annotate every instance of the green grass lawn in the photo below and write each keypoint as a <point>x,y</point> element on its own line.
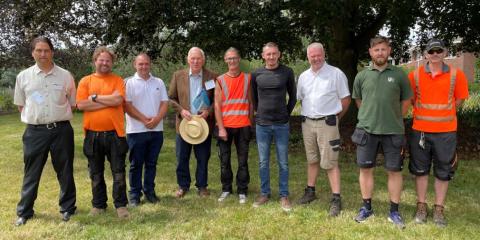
<point>196,218</point>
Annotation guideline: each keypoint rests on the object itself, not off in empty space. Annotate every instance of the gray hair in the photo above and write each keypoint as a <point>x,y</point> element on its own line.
<point>232,49</point>
<point>315,45</point>
<point>196,49</point>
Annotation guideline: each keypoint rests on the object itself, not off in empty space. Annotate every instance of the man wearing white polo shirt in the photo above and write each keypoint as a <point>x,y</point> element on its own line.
<point>146,106</point>
<point>324,95</point>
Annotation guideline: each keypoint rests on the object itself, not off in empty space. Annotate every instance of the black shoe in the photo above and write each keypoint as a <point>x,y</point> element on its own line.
<point>21,221</point>
<point>151,198</point>
<point>307,197</point>
<point>66,216</point>
<point>134,202</point>
<point>335,207</point>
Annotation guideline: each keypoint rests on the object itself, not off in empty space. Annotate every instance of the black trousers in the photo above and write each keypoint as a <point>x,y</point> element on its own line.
<point>38,141</point>
<point>241,138</point>
<point>97,146</point>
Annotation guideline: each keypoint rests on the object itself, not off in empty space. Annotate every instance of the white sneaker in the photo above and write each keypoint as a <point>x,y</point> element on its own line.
<point>242,198</point>
<point>223,196</point>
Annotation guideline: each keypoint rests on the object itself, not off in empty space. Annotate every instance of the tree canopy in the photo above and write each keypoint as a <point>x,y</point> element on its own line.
<point>166,29</point>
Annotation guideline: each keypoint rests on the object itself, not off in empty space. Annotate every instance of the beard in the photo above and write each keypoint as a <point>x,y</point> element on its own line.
<point>379,61</point>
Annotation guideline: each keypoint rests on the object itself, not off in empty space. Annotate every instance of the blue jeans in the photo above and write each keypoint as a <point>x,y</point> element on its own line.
<point>144,150</point>
<point>202,154</point>
<point>280,133</point>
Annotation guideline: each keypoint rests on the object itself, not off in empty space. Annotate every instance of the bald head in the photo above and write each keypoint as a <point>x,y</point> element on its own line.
<point>142,64</point>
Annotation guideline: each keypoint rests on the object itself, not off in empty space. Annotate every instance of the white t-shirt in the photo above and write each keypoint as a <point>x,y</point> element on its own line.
<point>321,92</point>
<point>146,96</point>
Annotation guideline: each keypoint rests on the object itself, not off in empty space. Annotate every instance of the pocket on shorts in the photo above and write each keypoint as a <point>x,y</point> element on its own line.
<point>335,144</point>
<point>331,120</point>
<point>359,137</point>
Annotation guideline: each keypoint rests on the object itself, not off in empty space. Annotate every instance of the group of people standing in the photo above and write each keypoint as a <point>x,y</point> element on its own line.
<point>230,107</point>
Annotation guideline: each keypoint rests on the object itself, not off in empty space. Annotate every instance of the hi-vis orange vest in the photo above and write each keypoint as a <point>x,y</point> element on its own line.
<point>235,105</point>
<point>438,115</point>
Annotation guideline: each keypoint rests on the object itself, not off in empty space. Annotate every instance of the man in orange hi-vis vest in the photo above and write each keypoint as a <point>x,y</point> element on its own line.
<point>438,89</point>
<point>234,113</point>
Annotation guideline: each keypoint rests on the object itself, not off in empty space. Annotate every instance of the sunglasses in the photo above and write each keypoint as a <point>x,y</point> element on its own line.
<point>437,51</point>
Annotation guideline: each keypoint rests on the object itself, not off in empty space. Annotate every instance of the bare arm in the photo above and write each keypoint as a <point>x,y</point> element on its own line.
<point>405,106</point>
<point>20,108</point>
<point>222,133</point>
<point>459,102</point>
<point>112,100</point>
<point>162,111</point>
<point>89,105</point>
<point>345,104</point>
<point>133,112</point>
<point>358,102</point>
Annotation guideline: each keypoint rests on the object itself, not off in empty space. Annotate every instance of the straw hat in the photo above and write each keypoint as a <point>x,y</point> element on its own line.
<point>194,131</point>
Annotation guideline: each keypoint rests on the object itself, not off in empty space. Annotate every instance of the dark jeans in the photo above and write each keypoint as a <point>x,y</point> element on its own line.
<point>241,138</point>
<point>202,154</point>
<point>144,150</point>
<point>96,146</point>
<point>38,141</point>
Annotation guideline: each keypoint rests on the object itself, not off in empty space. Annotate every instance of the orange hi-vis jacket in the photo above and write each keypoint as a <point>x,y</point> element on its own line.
<point>434,98</point>
<point>235,104</point>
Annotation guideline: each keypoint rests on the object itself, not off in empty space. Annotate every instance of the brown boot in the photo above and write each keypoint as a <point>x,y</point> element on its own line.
<point>438,217</point>
<point>96,211</point>
<point>421,214</point>
<point>261,200</point>
<point>122,212</point>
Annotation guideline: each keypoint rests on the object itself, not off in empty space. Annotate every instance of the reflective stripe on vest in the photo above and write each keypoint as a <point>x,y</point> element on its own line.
<point>433,106</point>
<point>235,106</point>
<point>235,113</point>
<point>225,88</point>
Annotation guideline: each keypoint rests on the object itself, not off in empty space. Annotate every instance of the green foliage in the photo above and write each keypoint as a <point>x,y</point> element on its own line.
<point>6,100</point>
<point>7,78</point>
<point>474,87</point>
<point>470,109</point>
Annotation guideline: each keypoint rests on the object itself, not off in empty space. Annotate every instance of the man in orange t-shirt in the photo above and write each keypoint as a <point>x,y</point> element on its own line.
<point>101,96</point>
<point>438,89</point>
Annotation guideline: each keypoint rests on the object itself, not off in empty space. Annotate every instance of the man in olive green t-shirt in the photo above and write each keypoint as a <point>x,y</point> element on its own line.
<point>382,93</point>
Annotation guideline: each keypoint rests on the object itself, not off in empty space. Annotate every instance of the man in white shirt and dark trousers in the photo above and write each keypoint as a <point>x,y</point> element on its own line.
<point>146,106</point>
<point>324,95</point>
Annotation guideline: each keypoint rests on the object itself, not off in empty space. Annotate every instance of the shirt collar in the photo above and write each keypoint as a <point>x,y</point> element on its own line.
<point>319,70</point>
<point>37,69</point>
<point>190,74</point>
<point>445,68</point>
<point>136,76</point>
<point>371,68</point>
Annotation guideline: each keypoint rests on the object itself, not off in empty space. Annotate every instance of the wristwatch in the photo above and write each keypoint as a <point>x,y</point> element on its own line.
<point>94,98</point>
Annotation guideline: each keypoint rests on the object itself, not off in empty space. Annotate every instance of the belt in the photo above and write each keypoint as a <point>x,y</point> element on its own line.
<point>50,125</point>
<point>101,133</point>
<point>316,119</point>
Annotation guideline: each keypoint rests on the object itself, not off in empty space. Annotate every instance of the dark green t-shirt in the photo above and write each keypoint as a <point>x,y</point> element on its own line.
<point>381,94</point>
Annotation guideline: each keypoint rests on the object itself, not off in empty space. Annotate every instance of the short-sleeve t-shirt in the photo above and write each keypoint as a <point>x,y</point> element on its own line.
<point>106,119</point>
<point>381,94</point>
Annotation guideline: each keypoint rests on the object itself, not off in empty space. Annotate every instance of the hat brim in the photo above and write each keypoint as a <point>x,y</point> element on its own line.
<point>185,136</point>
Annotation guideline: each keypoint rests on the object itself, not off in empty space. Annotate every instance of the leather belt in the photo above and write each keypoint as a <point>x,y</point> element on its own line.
<point>50,125</point>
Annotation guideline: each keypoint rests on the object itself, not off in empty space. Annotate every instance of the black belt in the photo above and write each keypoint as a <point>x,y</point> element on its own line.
<point>101,133</point>
<point>316,119</point>
<point>50,125</point>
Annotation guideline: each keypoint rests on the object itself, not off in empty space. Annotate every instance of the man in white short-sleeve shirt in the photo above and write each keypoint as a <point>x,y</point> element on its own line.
<point>324,95</point>
<point>146,106</point>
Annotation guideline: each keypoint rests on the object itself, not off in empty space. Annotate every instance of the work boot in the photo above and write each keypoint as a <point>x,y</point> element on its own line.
<point>122,212</point>
<point>422,213</point>
<point>307,197</point>
<point>96,211</point>
<point>438,217</point>
<point>335,207</point>
<point>285,204</point>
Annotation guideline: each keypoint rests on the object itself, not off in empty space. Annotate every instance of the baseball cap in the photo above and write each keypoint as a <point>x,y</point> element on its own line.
<point>434,43</point>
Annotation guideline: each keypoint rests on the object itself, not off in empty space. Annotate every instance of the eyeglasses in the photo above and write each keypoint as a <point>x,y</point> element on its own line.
<point>232,59</point>
<point>437,51</point>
